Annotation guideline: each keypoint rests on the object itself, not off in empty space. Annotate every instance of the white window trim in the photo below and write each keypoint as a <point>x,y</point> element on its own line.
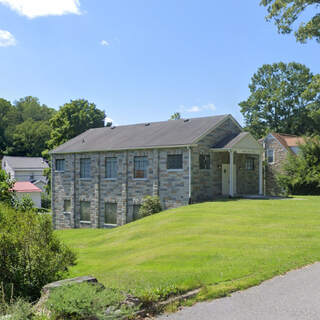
<point>85,222</point>
<point>170,170</point>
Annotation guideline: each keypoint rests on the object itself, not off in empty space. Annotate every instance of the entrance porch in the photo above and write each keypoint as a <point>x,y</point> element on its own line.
<point>240,160</point>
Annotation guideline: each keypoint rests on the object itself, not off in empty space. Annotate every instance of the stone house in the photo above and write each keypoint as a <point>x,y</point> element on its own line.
<point>277,147</point>
<point>100,177</point>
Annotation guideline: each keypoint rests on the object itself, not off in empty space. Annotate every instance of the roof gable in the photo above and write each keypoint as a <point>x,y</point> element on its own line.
<point>25,162</point>
<point>169,133</point>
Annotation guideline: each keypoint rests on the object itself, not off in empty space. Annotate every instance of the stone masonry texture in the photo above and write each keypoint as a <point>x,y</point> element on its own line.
<point>172,186</point>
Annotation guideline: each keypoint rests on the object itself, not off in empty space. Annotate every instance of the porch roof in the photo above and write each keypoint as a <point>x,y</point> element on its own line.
<point>242,142</point>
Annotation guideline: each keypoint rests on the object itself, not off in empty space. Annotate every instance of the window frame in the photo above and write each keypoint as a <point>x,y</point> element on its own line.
<point>84,160</point>
<point>105,213</point>
<point>249,167</point>
<point>64,207</point>
<point>146,163</point>
<point>180,155</point>
<point>56,166</point>
<point>89,207</point>
<point>111,160</point>
<point>206,161</point>
<point>267,156</point>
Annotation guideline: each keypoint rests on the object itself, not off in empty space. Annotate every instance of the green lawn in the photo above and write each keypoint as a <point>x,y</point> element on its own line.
<point>220,246</point>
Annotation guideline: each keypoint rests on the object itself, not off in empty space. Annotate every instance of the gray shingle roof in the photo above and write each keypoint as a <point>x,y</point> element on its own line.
<point>230,141</point>
<point>25,162</point>
<point>155,134</point>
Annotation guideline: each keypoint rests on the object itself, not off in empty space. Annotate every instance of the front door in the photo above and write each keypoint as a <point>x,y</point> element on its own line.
<point>226,179</point>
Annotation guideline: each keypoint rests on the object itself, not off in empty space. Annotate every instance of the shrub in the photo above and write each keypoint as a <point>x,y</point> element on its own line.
<point>25,204</point>
<point>30,253</point>
<point>87,301</point>
<point>45,200</point>
<point>150,206</point>
<point>301,172</point>
<point>6,185</point>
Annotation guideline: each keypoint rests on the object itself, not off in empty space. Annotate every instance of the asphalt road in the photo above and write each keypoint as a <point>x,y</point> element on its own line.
<point>293,296</point>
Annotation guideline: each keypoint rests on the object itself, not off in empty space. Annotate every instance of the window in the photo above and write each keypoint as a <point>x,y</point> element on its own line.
<point>270,155</point>
<point>174,161</point>
<point>60,165</point>
<point>140,167</point>
<point>85,168</point>
<point>85,211</point>
<point>67,206</point>
<point>111,168</point>
<point>204,161</point>
<point>135,211</point>
<point>110,213</point>
<point>250,163</point>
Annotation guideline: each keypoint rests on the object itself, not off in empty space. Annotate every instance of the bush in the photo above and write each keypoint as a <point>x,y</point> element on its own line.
<point>45,200</point>
<point>25,204</point>
<point>301,172</point>
<point>6,185</point>
<point>87,301</point>
<point>30,253</point>
<point>150,206</point>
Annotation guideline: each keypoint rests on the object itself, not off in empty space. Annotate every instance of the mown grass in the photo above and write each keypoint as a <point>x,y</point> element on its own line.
<point>220,246</point>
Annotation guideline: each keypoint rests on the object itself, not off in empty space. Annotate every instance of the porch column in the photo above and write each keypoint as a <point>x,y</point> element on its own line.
<point>231,174</point>
<point>260,175</point>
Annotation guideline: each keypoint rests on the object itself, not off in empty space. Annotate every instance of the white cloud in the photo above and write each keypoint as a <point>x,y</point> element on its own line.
<point>104,43</point>
<point>7,39</point>
<point>196,109</point>
<point>39,8</point>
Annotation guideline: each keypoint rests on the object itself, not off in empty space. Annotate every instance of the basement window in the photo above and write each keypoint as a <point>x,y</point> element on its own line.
<point>67,206</point>
<point>110,213</point>
<point>85,211</point>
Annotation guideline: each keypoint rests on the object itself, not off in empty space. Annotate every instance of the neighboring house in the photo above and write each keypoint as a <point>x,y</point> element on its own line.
<point>100,177</point>
<point>24,168</point>
<point>41,184</point>
<point>24,189</point>
<point>277,147</point>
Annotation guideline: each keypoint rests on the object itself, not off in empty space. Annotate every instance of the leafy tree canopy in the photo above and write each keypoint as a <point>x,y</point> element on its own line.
<point>281,99</point>
<point>301,173</point>
<point>73,119</point>
<point>286,12</point>
<point>5,109</point>
<point>176,116</point>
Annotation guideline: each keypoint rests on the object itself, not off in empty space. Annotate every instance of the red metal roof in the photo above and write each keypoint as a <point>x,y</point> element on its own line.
<point>288,140</point>
<point>25,186</point>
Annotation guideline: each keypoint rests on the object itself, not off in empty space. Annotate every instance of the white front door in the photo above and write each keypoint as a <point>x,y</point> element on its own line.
<point>226,179</point>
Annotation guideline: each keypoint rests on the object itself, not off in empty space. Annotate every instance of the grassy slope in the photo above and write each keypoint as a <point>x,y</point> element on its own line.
<point>222,246</point>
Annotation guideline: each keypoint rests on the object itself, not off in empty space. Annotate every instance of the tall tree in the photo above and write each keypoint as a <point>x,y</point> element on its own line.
<point>72,119</point>
<point>278,101</point>
<point>286,12</point>
<point>176,116</point>
<point>30,138</point>
<point>5,109</point>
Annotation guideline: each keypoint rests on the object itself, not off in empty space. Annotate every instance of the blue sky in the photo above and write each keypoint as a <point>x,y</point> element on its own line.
<point>140,60</point>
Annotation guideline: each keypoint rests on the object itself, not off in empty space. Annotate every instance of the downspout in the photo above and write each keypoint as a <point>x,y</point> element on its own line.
<point>190,199</point>
<point>264,170</point>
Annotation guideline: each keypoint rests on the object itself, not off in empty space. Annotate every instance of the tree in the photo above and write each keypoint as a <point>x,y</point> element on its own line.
<point>30,138</point>
<point>286,12</point>
<point>176,116</point>
<point>6,186</point>
<point>73,119</point>
<point>301,172</point>
<point>5,109</point>
<point>279,102</point>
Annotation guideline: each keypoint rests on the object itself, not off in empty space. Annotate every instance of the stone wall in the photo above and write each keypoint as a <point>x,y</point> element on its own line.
<point>171,186</point>
<point>272,169</point>
<point>206,183</point>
